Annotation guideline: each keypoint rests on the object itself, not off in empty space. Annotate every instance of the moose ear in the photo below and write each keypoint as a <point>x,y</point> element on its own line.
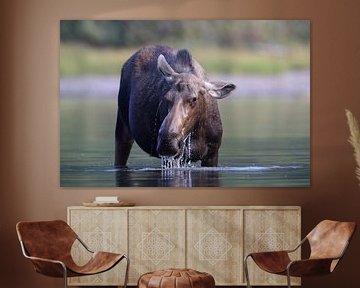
<point>165,69</point>
<point>219,90</point>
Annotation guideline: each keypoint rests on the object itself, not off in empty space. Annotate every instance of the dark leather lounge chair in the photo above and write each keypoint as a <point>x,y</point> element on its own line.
<point>48,245</point>
<point>328,242</point>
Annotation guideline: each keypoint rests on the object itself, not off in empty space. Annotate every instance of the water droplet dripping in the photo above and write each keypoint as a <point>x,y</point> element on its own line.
<point>181,161</point>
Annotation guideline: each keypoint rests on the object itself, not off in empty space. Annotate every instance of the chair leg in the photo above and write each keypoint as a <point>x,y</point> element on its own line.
<point>246,272</point>
<point>288,278</point>
<point>127,271</point>
<point>65,275</point>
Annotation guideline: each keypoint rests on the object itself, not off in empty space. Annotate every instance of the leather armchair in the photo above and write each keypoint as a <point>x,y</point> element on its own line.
<point>328,242</point>
<point>48,245</point>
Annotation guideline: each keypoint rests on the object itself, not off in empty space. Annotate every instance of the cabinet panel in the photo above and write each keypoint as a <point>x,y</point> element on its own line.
<point>267,230</point>
<point>156,240</point>
<point>101,230</point>
<point>214,242</point>
<point>210,239</point>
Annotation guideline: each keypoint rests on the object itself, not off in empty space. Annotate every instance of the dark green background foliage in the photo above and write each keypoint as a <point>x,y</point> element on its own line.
<point>248,34</point>
<point>265,47</point>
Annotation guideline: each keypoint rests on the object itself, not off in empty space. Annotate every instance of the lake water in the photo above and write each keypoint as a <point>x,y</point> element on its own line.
<point>266,143</point>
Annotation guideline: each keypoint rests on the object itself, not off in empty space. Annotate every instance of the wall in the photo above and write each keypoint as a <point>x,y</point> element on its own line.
<point>29,119</point>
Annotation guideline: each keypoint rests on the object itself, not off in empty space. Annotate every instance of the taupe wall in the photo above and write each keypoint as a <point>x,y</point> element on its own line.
<point>29,119</point>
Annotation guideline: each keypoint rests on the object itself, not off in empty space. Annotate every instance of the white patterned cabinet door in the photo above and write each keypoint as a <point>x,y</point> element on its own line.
<point>156,240</point>
<point>101,230</point>
<point>270,230</point>
<point>214,244</point>
<point>209,239</point>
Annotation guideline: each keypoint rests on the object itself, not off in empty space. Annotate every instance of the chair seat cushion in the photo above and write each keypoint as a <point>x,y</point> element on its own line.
<point>272,262</point>
<point>99,262</point>
<point>176,278</point>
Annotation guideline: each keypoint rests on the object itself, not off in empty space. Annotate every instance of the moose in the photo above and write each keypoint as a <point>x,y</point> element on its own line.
<point>165,97</point>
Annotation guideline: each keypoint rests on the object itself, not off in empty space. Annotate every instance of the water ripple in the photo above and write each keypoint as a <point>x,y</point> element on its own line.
<point>210,169</point>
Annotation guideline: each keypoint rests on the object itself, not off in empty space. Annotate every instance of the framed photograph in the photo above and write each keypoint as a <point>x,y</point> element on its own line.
<point>185,103</point>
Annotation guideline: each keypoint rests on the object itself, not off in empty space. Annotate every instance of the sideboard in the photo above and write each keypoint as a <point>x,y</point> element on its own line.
<point>211,239</point>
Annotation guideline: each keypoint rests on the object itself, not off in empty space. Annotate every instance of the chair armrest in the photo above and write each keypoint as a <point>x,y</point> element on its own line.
<point>268,253</point>
<point>49,267</point>
<point>84,245</point>
<point>279,251</point>
<point>45,260</point>
<point>309,267</point>
<point>298,246</point>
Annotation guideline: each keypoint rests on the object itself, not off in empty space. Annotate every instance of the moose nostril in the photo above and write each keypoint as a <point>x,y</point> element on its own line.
<point>167,147</point>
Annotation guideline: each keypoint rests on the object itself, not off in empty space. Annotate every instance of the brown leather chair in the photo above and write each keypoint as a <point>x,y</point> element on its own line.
<point>48,245</point>
<point>328,242</point>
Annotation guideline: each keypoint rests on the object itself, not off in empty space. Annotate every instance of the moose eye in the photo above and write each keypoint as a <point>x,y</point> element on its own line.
<point>179,87</point>
<point>192,100</point>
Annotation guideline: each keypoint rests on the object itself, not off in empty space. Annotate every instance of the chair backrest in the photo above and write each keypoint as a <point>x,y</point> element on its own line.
<point>329,239</point>
<point>46,239</point>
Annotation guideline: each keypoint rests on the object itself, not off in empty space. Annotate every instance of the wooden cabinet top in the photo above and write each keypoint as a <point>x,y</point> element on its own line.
<point>194,207</point>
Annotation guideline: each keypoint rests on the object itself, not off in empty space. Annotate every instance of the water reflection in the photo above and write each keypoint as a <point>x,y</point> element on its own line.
<point>245,176</point>
<point>167,178</point>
